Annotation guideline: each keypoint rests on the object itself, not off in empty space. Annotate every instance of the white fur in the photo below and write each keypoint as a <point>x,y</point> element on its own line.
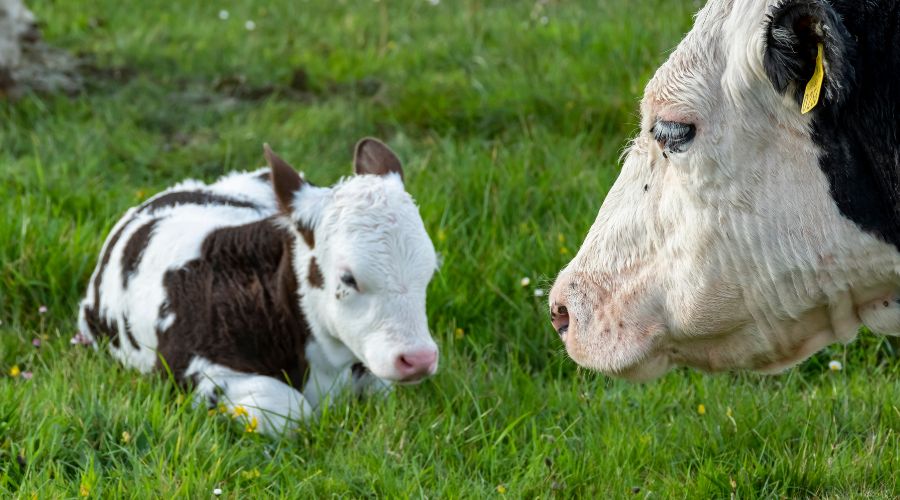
<point>736,256</point>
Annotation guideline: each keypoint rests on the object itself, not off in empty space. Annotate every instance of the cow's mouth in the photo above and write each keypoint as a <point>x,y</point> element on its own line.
<point>626,355</point>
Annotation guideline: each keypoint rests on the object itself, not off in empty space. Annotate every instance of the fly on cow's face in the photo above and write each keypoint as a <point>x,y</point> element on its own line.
<point>673,137</point>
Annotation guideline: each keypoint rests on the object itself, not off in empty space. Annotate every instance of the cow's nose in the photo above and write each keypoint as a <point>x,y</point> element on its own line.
<point>559,316</point>
<point>416,365</point>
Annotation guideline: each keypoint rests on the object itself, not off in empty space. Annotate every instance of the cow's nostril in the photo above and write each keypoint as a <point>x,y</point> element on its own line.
<point>559,316</point>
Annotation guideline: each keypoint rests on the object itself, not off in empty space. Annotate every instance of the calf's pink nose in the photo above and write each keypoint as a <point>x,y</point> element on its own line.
<point>416,365</point>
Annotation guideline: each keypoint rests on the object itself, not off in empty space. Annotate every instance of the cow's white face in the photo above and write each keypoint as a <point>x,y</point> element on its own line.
<point>729,240</point>
<point>364,261</point>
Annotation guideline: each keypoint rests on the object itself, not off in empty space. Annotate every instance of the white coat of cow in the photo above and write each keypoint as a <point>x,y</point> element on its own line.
<point>742,233</point>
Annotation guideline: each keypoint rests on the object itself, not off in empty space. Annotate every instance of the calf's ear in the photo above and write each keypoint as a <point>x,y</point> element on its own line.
<point>285,180</point>
<point>371,156</point>
<point>794,30</point>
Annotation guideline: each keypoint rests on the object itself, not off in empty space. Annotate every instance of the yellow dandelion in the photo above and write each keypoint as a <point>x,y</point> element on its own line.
<point>14,371</point>
<point>501,489</point>
<point>701,409</point>
<point>126,437</point>
<point>728,412</point>
<point>459,333</point>
<point>563,251</point>
<point>250,474</point>
<point>561,238</point>
<point>239,411</point>
<point>251,425</point>
<point>84,490</point>
<point>442,235</point>
<point>221,408</point>
<point>180,399</point>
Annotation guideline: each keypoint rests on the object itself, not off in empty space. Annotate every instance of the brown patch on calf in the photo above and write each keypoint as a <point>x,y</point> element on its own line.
<point>192,198</point>
<point>308,236</point>
<point>237,306</point>
<point>130,335</point>
<point>134,250</point>
<point>315,278</point>
<point>100,326</point>
<point>97,324</point>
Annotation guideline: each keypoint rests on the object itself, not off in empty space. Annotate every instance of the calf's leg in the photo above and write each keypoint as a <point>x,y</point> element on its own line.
<point>268,405</point>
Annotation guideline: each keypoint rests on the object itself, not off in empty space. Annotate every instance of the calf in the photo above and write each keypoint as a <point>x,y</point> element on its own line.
<point>756,219</point>
<point>244,287</point>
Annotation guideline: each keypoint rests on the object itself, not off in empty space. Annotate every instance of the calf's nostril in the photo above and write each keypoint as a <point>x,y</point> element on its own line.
<point>416,364</point>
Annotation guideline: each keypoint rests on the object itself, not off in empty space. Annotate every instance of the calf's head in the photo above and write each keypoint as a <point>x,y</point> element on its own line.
<point>742,233</point>
<point>364,261</point>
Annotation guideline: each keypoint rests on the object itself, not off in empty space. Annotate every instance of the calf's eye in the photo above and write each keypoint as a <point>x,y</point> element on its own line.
<point>349,280</point>
<point>673,137</point>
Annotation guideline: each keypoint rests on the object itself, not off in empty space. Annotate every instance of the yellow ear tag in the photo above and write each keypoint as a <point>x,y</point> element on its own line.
<point>814,87</point>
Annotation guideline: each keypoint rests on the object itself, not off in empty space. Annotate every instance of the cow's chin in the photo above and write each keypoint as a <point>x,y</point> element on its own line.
<point>637,360</point>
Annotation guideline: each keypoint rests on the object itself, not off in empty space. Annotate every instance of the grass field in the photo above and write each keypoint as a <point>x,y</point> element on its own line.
<point>510,116</point>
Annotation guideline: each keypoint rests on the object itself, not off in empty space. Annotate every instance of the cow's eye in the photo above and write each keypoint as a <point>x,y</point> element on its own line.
<point>349,280</point>
<point>674,137</point>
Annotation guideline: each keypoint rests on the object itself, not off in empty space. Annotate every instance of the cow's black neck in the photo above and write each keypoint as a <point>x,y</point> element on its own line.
<point>860,139</point>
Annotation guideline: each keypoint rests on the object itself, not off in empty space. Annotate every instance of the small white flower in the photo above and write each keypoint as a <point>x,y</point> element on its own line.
<point>538,292</point>
<point>223,14</point>
<point>42,310</point>
<point>80,339</point>
<point>217,491</point>
<point>544,20</point>
<point>835,366</point>
<point>434,2</point>
<point>525,281</point>
<point>250,25</point>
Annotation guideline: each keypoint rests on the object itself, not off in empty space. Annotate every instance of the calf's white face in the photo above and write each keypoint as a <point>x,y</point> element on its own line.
<point>365,261</point>
<point>742,234</point>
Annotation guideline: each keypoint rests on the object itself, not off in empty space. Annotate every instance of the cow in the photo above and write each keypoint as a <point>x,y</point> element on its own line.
<point>261,284</point>
<point>756,217</point>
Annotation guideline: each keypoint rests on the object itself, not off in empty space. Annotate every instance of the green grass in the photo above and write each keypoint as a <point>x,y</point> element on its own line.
<point>511,129</point>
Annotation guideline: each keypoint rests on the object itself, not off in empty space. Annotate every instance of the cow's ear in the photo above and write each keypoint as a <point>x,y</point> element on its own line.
<point>371,156</point>
<point>794,30</point>
<point>285,180</point>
